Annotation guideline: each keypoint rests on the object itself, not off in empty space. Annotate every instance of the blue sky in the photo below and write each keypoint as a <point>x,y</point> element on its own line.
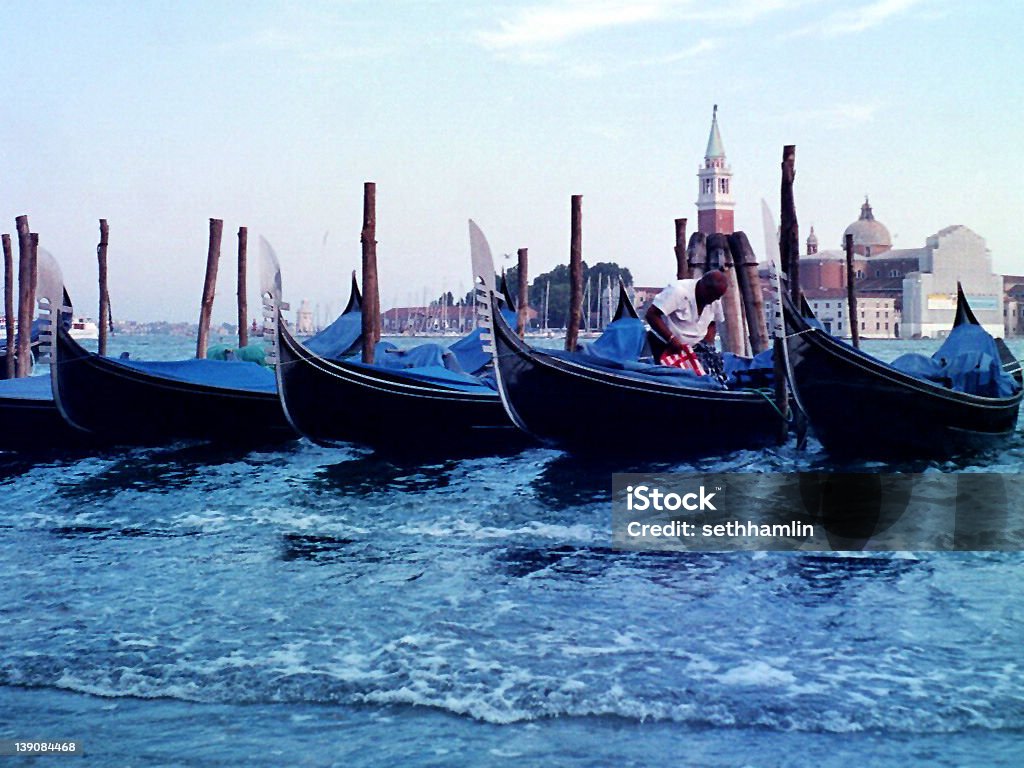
<point>160,115</point>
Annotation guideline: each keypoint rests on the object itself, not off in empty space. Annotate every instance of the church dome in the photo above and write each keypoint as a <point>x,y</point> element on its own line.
<point>868,233</point>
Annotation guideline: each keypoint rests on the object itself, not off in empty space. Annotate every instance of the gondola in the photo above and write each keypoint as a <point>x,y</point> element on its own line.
<point>149,402</point>
<point>420,409</point>
<point>571,401</point>
<point>858,405</point>
<point>29,419</point>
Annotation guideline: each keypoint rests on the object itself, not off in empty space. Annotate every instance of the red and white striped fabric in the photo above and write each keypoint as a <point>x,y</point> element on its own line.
<point>685,359</point>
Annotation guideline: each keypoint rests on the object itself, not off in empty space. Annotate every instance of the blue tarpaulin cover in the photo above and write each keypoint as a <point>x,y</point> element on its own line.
<point>226,374</point>
<point>434,374</point>
<point>757,370</point>
<point>469,350</point>
<point>968,361</point>
<point>340,338</point>
<point>387,355</point>
<point>28,388</point>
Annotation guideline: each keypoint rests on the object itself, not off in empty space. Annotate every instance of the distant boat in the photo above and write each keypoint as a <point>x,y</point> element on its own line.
<point>84,328</point>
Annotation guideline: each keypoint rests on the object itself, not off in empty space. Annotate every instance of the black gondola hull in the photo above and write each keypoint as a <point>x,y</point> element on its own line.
<point>332,401</point>
<point>586,409</point>
<point>120,404</point>
<point>36,425</point>
<point>860,406</point>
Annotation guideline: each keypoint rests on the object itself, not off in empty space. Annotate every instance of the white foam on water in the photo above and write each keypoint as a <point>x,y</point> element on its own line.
<point>454,527</point>
<point>757,673</point>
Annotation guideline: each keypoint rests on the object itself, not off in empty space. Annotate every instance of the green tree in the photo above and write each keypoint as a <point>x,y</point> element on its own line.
<point>558,293</point>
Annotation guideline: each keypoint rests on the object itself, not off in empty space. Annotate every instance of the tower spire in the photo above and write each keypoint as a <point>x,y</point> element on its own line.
<point>715,203</point>
<point>715,148</point>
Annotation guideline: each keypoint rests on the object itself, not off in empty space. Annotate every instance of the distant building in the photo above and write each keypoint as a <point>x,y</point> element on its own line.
<point>870,236</point>
<point>436,319</point>
<point>304,320</point>
<point>904,292</point>
<point>1013,305</point>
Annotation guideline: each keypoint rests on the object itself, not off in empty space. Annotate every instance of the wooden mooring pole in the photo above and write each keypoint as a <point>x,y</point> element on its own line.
<point>575,273</point>
<point>26,298</point>
<point>697,255</point>
<point>34,244</point>
<point>720,257</point>
<point>789,235</point>
<point>209,287</point>
<point>243,313</point>
<point>851,293</point>
<point>371,292</point>
<point>523,302</point>
<point>9,316</point>
<point>104,318</point>
<point>682,266</point>
<point>789,254</point>
<point>750,289</point>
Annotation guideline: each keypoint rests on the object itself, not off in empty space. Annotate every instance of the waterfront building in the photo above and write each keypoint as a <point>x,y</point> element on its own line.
<point>304,319</point>
<point>1013,305</point>
<point>904,292</point>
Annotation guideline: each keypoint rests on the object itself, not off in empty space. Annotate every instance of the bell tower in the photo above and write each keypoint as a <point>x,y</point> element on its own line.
<point>715,203</point>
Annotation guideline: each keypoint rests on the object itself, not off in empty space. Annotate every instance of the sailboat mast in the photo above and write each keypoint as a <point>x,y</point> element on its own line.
<point>590,308</point>
<point>547,295</point>
<point>608,290</point>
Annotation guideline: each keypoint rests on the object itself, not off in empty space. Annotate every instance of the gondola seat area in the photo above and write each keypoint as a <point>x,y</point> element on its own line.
<point>968,361</point>
<point>621,347</point>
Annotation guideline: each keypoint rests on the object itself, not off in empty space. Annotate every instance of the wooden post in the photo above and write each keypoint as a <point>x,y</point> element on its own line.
<point>697,255</point>
<point>750,289</point>
<point>781,387</point>
<point>720,257</point>
<point>209,287</point>
<point>9,316</point>
<point>851,293</point>
<point>575,273</point>
<point>371,293</point>
<point>34,242</point>
<point>25,298</point>
<point>682,267</point>
<point>243,314</point>
<point>101,257</point>
<point>524,294</point>
<point>789,235</point>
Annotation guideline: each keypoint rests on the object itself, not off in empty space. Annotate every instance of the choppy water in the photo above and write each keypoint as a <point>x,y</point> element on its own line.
<point>300,605</point>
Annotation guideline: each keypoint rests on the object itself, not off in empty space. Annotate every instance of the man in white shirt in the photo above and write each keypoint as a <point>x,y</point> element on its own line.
<point>686,313</point>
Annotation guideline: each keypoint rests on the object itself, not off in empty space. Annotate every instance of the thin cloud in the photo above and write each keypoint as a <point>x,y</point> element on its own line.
<point>703,46</point>
<point>854,20</point>
<point>839,115</point>
<point>562,21</point>
<point>559,22</point>
<point>591,70</point>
